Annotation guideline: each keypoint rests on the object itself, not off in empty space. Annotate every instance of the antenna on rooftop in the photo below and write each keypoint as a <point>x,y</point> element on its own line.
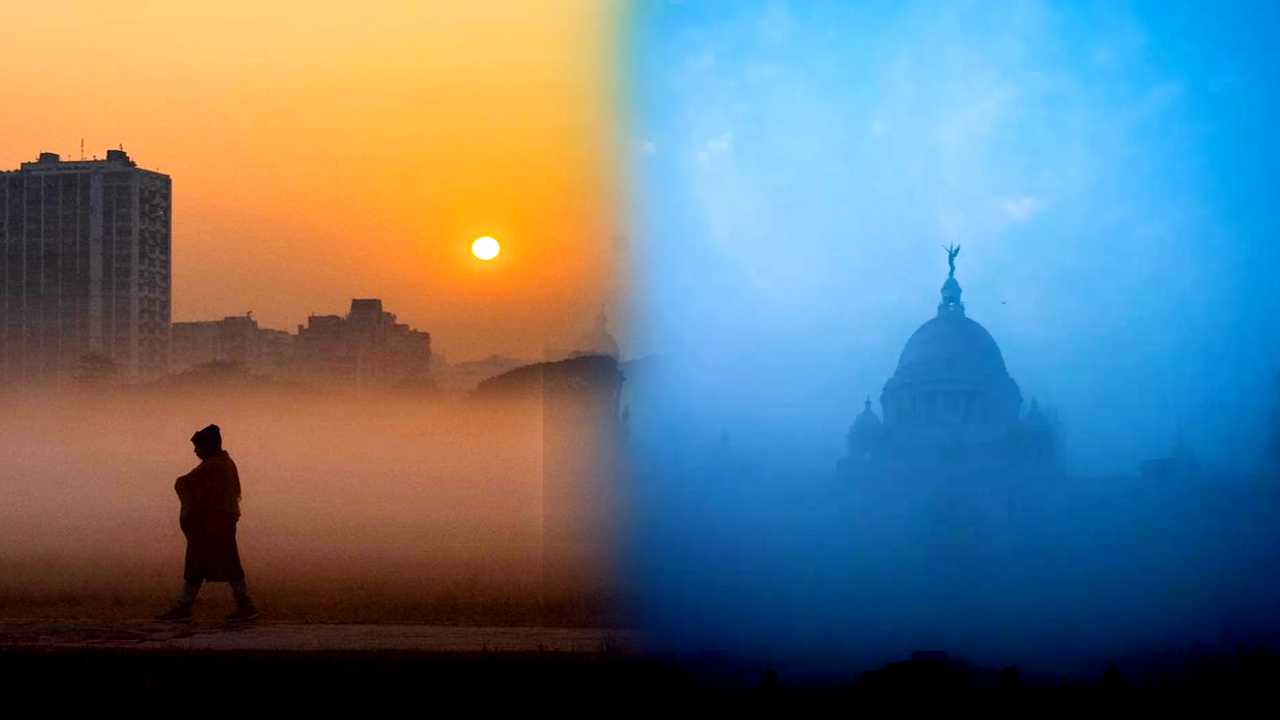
<point>82,148</point>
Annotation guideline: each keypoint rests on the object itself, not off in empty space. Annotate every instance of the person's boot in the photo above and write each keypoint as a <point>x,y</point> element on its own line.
<point>245,610</point>
<point>181,610</point>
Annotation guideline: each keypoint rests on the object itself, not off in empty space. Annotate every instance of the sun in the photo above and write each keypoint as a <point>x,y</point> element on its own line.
<point>485,248</point>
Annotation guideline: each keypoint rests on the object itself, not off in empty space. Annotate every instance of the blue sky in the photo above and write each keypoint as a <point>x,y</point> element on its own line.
<point>1107,169</point>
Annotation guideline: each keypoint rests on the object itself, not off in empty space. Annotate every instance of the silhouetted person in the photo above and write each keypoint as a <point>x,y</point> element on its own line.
<point>210,498</point>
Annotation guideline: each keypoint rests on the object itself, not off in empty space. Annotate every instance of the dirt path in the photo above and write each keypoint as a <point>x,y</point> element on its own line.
<point>314,637</point>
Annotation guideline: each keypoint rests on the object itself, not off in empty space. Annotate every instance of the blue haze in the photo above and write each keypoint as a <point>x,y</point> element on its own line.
<point>1109,170</point>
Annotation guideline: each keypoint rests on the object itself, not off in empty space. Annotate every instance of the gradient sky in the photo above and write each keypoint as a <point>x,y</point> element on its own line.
<point>324,151</point>
<point>1108,168</point>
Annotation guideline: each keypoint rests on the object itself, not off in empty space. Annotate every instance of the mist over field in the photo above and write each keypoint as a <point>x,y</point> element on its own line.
<point>361,507</point>
<point>745,547</point>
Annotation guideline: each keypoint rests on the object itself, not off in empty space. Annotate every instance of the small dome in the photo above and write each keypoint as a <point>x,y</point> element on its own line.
<point>865,436</point>
<point>867,418</point>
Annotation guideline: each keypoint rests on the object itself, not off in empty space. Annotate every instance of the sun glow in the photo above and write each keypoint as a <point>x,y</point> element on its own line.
<point>485,248</point>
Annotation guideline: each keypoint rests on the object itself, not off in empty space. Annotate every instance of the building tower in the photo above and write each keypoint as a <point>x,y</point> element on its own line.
<point>84,267</point>
<point>598,340</point>
<point>865,435</point>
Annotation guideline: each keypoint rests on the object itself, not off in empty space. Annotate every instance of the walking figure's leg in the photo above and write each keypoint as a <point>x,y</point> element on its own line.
<point>182,607</point>
<point>245,609</point>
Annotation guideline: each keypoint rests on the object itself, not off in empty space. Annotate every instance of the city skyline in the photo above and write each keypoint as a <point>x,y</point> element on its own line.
<point>86,289</point>
<point>369,170</point>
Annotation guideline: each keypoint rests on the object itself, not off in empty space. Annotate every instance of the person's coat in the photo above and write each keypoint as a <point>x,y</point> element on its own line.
<point>210,498</point>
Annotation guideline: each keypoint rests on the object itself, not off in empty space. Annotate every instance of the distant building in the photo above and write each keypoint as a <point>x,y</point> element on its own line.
<point>578,399</point>
<point>84,266</point>
<point>595,341</point>
<point>194,343</point>
<point>950,406</point>
<point>366,348</point>
<point>467,376</point>
<point>598,340</point>
<point>275,350</point>
<point>233,339</point>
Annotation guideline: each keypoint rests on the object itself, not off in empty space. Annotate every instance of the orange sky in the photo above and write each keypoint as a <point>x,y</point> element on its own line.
<point>322,151</point>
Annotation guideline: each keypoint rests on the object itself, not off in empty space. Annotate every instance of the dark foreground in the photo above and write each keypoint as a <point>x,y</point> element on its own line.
<point>485,665</point>
<point>318,663</point>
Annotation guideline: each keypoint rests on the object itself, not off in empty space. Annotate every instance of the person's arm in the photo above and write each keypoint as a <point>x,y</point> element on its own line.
<point>188,488</point>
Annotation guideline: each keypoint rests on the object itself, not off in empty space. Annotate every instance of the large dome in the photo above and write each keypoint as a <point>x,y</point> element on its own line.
<point>950,346</point>
<point>951,372</point>
<point>950,410</point>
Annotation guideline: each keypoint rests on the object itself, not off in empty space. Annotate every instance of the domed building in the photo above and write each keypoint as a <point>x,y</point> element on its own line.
<point>866,436</point>
<point>949,404</point>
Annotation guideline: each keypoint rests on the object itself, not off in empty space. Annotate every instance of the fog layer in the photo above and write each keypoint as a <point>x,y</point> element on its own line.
<point>357,507</point>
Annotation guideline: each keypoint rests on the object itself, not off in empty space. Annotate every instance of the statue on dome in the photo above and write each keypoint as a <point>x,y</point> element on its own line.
<point>952,252</point>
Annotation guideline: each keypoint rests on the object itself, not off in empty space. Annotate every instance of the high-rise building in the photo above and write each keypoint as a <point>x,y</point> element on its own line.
<point>84,266</point>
